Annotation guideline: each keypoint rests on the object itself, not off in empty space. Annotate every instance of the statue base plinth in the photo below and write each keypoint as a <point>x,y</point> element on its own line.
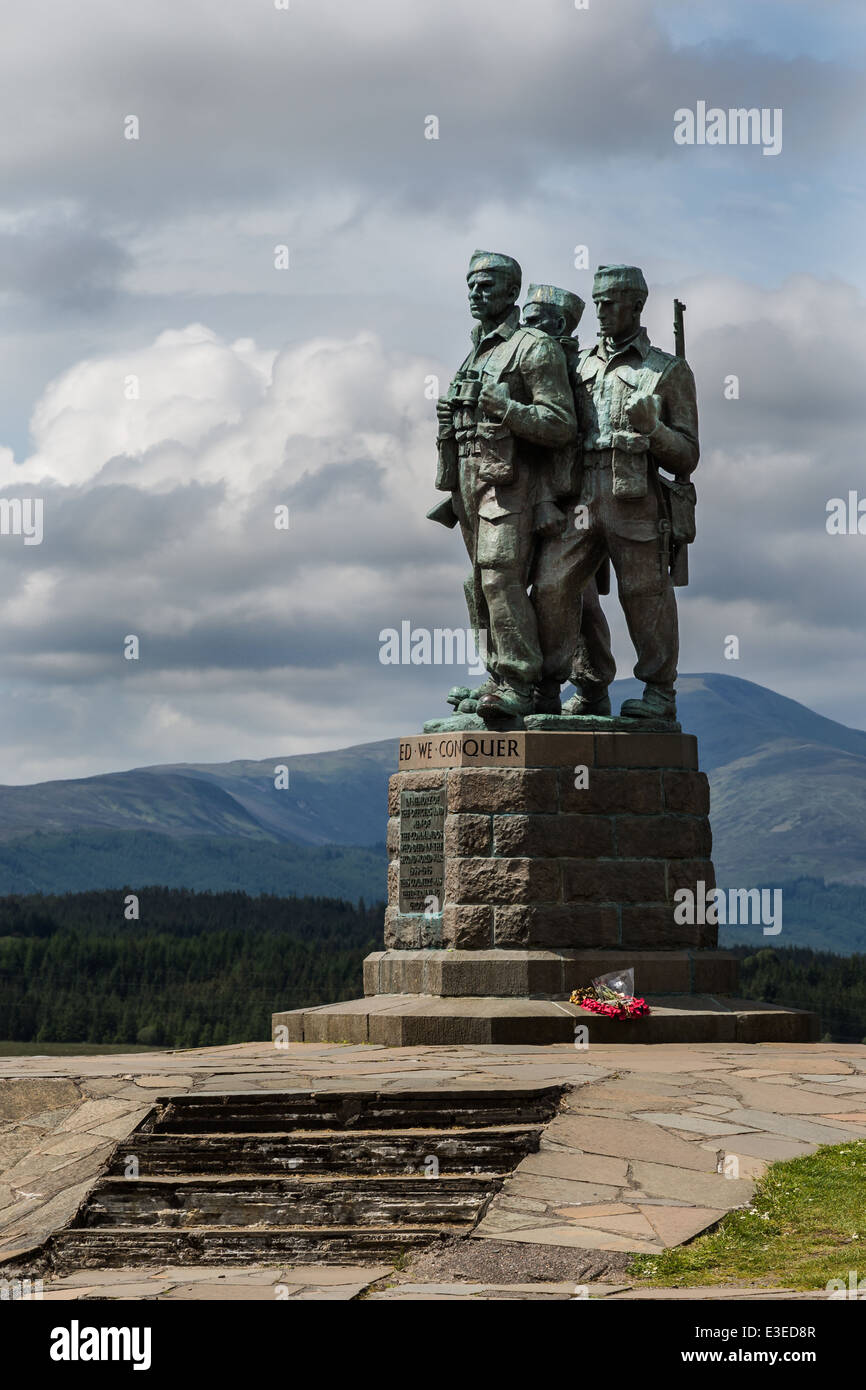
<point>407,1020</point>
<point>525,863</point>
<point>553,723</point>
<point>550,975</point>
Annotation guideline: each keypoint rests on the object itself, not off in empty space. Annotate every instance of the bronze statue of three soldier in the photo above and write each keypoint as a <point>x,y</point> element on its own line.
<point>554,459</point>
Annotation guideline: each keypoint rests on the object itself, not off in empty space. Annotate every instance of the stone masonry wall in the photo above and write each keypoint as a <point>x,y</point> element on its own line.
<point>533,862</point>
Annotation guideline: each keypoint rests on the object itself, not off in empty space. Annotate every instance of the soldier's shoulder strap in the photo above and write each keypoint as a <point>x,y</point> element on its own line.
<point>660,363</point>
<point>506,353</point>
<point>528,335</point>
<point>588,363</point>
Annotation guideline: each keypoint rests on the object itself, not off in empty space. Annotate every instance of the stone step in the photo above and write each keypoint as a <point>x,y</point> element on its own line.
<point>302,1176</point>
<point>117,1246</point>
<point>241,1201</point>
<point>491,1148</point>
<point>417,1020</point>
<point>287,1110</point>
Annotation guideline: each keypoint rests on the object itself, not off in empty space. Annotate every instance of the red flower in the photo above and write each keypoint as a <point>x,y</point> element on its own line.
<point>625,1008</point>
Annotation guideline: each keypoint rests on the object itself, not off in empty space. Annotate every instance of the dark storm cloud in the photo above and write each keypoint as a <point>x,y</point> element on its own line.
<point>336,480</point>
<point>62,268</point>
<point>237,103</point>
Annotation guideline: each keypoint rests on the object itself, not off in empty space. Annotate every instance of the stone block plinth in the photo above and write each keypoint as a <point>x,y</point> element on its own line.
<point>544,974</point>
<point>535,841</point>
<point>524,864</point>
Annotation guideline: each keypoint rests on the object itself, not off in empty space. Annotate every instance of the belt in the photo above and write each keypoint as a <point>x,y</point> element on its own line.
<point>597,458</point>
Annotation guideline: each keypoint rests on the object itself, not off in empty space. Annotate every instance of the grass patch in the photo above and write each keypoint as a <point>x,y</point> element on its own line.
<point>806,1225</point>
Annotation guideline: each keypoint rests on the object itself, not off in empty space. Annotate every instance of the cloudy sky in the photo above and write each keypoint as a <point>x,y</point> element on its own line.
<point>163,386</point>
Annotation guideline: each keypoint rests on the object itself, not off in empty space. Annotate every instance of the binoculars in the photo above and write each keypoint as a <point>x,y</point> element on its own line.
<point>465,388</point>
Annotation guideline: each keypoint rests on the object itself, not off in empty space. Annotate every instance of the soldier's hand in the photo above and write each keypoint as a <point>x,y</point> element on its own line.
<point>643,413</point>
<point>443,411</point>
<point>494,399</point>
<point>548,520</point>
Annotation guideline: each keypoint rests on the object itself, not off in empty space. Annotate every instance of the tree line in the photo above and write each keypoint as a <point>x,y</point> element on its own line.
<point>193,969</point>
<point>829,985</point>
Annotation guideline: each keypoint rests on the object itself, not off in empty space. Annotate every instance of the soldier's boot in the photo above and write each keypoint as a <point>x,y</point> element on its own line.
<point>506,702</point>
<point>465,701</point>
<point>589,699</point>
<point>545,697</point>
<point>657,702</point>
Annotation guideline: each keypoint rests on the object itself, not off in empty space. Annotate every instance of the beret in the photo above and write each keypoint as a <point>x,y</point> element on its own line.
<point>571,304</point>
<point>619,277</point>
<point>494,260</point>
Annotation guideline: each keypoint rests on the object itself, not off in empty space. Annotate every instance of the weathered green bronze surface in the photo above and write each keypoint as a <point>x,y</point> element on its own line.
<point>555,460</point>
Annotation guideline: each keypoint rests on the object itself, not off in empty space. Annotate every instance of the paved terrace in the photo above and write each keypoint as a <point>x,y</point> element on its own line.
<point>652,1146</point>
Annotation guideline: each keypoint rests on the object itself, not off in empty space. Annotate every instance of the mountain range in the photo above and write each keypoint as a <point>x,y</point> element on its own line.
<point>788,801</point>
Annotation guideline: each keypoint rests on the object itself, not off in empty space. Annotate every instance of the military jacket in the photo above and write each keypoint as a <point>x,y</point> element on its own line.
<point>499,460</point>
<point>611,381</point>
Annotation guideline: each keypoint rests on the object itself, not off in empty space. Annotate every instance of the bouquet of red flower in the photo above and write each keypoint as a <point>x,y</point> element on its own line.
<point>613,996</point>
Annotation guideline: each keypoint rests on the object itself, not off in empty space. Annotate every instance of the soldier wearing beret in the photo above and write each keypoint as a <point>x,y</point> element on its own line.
<point>509,405</point>
<point>638,416</point>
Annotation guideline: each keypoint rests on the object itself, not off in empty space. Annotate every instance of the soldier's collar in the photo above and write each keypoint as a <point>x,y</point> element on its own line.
<point>503,330</point>
<point>639,342</point>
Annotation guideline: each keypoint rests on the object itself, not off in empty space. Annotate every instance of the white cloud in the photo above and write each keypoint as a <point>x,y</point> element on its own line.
<point>159,521</point>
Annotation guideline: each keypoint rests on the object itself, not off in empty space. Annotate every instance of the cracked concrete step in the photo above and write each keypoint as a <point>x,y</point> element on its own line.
<point>491,1148</point>
<point>324,1201</point>
<point>285,1110</point>
<point>111,1248</point>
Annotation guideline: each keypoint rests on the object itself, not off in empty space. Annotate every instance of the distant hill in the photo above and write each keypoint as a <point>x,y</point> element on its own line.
<point>824,916</point>
<point>788,801</point>
<point>87,859</point>
<point>788,785</point>
<point>332,798</point>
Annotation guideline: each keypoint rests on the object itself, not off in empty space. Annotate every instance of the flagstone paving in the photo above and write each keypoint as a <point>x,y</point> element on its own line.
<point>342,1283</point>
<point>187,1282</point>
<point>652,1145</point>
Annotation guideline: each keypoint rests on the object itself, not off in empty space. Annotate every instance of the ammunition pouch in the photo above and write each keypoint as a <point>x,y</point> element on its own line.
<point>680,503</point>
<point>494,450</point>
<point>564,469</point>
<point>629,459</point>
<point>448,468</point>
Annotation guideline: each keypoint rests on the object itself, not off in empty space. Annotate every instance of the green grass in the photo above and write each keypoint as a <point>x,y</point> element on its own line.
<point>806,1224</point>
<point>69,1049</point>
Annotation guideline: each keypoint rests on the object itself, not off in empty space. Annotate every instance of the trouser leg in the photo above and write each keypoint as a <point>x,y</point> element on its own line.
<point>476,604</point>
<point>513,628</point>
<point>564,566</point>
<point>504,553</point>
<point>593,664</point>
<point>647,597</point>
<point>479,620</point>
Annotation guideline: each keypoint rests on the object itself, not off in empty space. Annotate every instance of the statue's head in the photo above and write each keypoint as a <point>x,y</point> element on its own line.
<point>619,293</point>
<point>494,285</point>
<point>552,310</point>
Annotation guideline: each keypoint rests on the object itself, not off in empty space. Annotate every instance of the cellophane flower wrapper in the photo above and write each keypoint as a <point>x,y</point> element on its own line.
<point>614,996</point>
<point>620,981</point>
